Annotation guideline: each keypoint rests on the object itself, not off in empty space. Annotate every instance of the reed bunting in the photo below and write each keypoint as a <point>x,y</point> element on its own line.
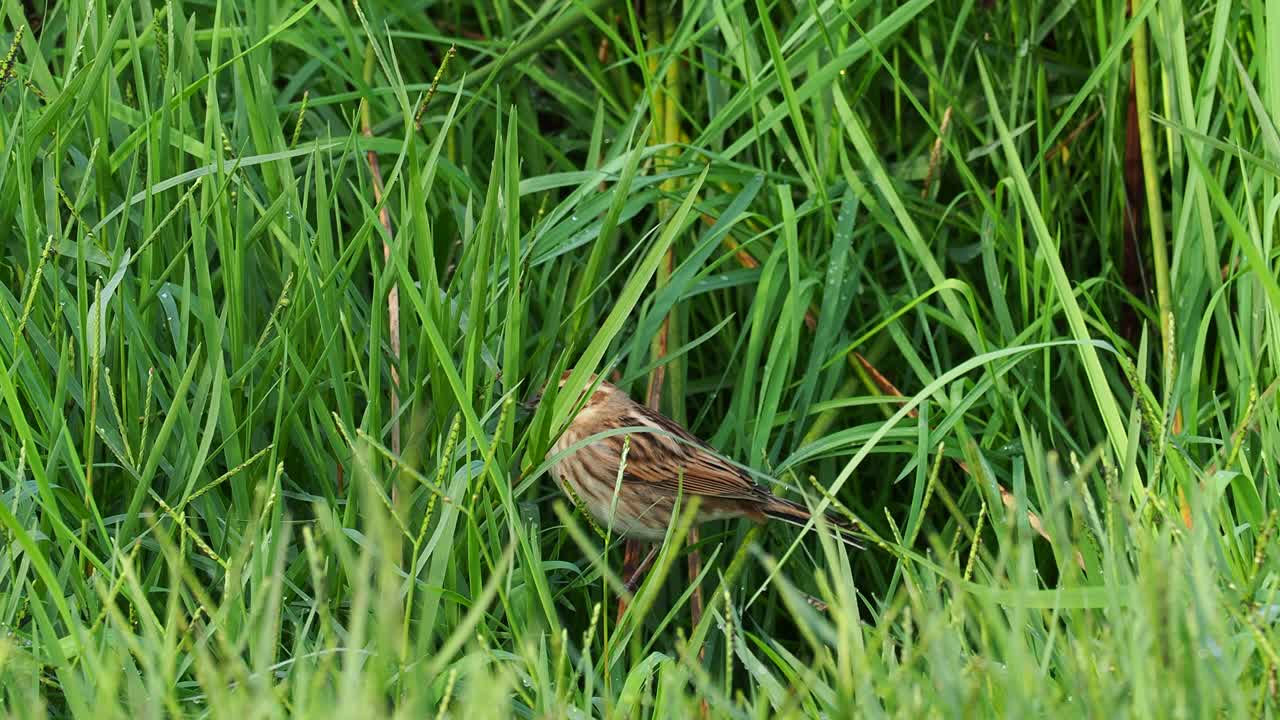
<point>663,460</point>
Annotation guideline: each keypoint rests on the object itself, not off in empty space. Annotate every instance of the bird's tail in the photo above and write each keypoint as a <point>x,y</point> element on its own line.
<point>797,514</point>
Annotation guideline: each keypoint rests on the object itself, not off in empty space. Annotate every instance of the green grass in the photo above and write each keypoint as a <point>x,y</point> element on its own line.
<point>223,493</point>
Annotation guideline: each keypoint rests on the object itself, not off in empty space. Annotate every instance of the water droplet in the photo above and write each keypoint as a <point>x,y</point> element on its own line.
<point>288,214</point>
<point>574,218</point>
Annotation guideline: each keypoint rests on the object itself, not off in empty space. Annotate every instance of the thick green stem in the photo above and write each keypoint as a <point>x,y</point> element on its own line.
<point>1155,212</point>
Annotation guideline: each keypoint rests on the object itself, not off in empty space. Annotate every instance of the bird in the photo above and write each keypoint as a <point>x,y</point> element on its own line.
<point>663,461</point>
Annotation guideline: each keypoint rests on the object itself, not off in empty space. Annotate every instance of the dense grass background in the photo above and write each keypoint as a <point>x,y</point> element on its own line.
<point>229,485</point>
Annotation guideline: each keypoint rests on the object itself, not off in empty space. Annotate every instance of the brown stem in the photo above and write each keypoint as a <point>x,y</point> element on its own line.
<point>393,295</point>
<point>1063,148</point>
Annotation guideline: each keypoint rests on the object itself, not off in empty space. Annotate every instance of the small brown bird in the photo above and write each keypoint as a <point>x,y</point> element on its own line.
<point>662,460</point>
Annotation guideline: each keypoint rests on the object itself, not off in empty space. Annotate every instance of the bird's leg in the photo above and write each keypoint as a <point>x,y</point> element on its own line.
<point>630,560</point>
<point>695,569</point>
<point>695,603</point>
<point>633,582</point>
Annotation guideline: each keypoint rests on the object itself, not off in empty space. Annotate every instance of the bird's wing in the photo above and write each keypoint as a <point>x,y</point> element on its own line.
<point>674,459</point>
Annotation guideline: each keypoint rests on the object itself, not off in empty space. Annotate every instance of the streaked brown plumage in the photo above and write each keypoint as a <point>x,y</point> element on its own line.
<point>659,459</point>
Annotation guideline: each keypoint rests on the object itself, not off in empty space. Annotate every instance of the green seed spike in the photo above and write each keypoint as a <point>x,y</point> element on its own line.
<point>435,83</point>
